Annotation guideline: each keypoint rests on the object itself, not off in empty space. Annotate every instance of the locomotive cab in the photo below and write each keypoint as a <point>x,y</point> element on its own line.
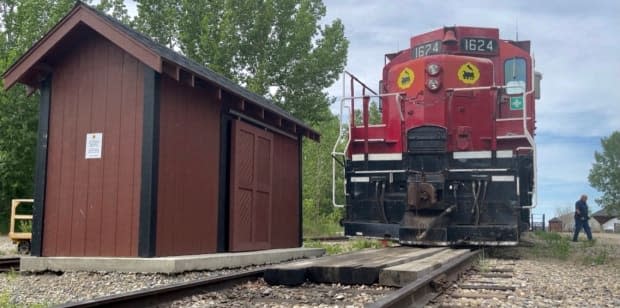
<point>452,161</point>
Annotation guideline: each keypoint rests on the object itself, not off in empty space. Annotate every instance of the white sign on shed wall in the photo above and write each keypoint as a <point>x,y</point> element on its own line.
<point>94,146</point>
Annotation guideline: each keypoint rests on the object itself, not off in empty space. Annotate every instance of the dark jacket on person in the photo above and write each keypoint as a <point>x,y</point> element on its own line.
<point>583,210</point>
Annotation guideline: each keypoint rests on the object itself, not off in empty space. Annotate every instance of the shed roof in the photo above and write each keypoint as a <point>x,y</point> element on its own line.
<point>31,67</point>
<point>604,215</point>
<point>555,219</point>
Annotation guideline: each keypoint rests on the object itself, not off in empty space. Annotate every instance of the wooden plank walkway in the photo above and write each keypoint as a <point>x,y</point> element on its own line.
<point>362,267</point>
<point>400,275</point>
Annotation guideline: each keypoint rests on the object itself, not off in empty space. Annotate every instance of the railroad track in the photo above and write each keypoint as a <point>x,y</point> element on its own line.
<point>416,293</point>
<point>483,282</point>
<point>9,264</point>
<point>166,294</point>
<point>421,291</point>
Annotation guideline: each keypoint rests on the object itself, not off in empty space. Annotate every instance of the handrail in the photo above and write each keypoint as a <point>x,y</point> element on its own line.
<point>343,100</point>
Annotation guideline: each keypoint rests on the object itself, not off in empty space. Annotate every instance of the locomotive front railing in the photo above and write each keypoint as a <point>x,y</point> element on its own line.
<point>351,98</point>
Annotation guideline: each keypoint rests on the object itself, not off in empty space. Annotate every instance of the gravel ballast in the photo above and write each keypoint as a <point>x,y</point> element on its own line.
<point>539,282</point>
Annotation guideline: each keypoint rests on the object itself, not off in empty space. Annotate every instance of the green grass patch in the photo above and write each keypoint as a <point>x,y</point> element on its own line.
<point>318,224</point>
<point>599,256</point>
<point>5,302</point>
<point>593,254</point>
<point>330,249</point>
<point>23,226</point>
<point>361,243</point>
<point>551,245</point>
<point>333,248</point>
<point>559,246</point>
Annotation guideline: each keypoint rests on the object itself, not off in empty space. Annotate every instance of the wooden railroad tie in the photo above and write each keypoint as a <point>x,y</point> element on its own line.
<point>400,275</point>
<point>478,295</point>
<point>362,267</point>
<point>487,287</point>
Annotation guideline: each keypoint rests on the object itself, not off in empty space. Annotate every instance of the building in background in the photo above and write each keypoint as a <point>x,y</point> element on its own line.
<point>609,220</point>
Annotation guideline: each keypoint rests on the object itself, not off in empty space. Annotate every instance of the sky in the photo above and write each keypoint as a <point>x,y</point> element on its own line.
<point>576,49</point>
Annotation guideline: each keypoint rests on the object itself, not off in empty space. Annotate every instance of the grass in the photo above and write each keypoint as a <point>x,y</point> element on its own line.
<point>321,228</point>
<point>595,254</point>
<point>24,226</point>
<point>11,275</point>
<point>558,246</point>
<point>483,263</point>
<point>5,302</point>
<point>345,246</point>
<point>552,245</point>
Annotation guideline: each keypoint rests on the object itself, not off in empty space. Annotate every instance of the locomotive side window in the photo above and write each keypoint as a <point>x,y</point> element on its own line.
<point>515,76</point>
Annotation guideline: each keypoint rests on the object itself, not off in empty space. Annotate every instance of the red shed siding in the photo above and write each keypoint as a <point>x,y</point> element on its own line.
<point>285,194</point>
<point>188,170</point>
<point>91,206</point>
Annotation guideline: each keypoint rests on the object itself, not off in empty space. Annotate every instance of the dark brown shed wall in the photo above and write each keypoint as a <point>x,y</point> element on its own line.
<point>188,170</point>
<point>285,193</point>
<point>91,206</point>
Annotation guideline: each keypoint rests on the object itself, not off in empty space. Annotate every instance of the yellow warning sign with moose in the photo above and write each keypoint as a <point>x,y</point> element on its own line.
<point>405,78</point>
<point>469,73</point>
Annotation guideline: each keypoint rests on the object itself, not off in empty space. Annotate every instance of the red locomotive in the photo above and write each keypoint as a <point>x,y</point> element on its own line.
<point>452,159</point>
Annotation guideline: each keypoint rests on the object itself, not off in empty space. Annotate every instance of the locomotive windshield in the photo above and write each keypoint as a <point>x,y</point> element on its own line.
<point>515,76</point>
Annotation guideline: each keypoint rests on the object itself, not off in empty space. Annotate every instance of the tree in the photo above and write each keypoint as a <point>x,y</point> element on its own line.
<point>22,23</point>
<point>320,216</point>
<point>115,8</point>
<point>374,114</point>
<point>605,172</point>
<point>257,44</point>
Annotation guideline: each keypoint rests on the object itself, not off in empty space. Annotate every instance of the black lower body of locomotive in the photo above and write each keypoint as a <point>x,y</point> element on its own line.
<point>436,198</point>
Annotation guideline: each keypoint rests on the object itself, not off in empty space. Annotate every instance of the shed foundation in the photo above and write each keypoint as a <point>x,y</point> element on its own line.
<point>166,265</point>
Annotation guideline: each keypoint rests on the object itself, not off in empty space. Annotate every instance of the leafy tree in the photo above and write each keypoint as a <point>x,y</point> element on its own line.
<point>374,114</point>
<point>115,8</point>
<point>605,172</point>
<point>22,23</point>
<point>320,217</point>
<point>256,43</point>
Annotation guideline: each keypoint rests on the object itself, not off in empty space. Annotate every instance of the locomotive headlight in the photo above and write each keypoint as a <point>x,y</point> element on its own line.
<point>433,84</point>
<point>433,69</point>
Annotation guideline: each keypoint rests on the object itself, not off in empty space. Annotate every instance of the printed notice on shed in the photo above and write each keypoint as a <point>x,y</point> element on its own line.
<point>94,145</point>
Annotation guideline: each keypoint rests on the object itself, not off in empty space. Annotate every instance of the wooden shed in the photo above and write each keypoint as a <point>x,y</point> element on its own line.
<point>555,225</point>
<point>143,152</point>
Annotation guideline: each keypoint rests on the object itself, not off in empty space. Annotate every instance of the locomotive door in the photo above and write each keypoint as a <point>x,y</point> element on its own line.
<point>250,187</point>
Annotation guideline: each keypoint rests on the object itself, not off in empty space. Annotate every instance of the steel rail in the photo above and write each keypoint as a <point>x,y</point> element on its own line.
<point>166,294</point>
<point>8,264</point>
<point>419,292</point>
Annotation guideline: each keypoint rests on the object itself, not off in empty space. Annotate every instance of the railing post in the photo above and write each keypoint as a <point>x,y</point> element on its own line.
<point>365,102</point>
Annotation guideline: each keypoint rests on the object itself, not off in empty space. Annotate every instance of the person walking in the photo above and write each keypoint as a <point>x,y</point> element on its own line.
<point>581,218</point>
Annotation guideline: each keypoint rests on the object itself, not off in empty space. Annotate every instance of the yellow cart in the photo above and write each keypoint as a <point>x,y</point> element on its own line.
<point>22,239</point>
